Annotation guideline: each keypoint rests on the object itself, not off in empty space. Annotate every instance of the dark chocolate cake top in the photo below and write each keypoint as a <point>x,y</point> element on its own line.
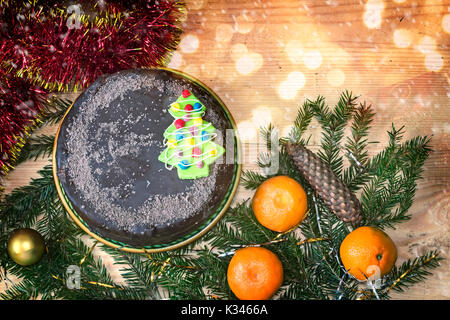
<point>108,159</point>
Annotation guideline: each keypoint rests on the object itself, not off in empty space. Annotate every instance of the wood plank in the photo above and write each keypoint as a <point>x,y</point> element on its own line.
<point>261,57</point>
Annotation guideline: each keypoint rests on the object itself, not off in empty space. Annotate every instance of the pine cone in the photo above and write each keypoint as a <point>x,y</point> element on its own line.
<point>333,192</point>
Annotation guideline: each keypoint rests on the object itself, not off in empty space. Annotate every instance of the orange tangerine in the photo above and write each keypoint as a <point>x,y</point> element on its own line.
<point>367,250</point>
<point>280,203</point>
<point>254,273</point>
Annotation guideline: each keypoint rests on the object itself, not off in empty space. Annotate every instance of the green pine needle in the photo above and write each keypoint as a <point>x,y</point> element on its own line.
<point>251,180</point>
<point>54,110</point>
<point>413,271</point>
<point>301,123</point>
<point>40,146</point>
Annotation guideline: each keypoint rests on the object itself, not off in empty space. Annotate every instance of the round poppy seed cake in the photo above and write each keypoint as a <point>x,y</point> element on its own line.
<point>107,163</point>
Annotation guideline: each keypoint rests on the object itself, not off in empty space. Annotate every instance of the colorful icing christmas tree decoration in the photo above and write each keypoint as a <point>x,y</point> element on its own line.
<point>188,140</point>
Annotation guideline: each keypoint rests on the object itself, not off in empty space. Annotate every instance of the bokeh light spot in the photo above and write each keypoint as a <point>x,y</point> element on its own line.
<point>372,16</point>
<point>238,50</point>
<point>375,5</point>
<point>339,57</point>
<point>209,70</point>
<point>402,38</point>
<point>224,32</point>
<point>372,19</point>
<point>312,59</point>
<point>197,4</point>
<point>249,63</point>
<point>288,89</point>
<point>433,7</point>
<point>261,116</point>
<point>192,69</point>
<point>426,45</point>
<point>176,60</point>
<point>243,24</point>
<point>294,50</point>
<point>336,77</point>
<point>446,23</point>
<point>286,131</point>
<point>298,78</point>
<point>434,61</point>
<point>189,43</point>
<point>245,65</point>
<point>246,131</point>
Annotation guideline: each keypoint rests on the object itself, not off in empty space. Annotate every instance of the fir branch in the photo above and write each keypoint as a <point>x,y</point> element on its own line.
<point>54,110</point>
<point>53,224</point>
<point>184,276</point>
<point>22,206</point>
<point>321,111</point>
<point>268,160</point>
<point>149,272</point>
<point>327,266</point>
<point>214,276</point>
<point>356,174</point>
<point>23,290</point>
<point>413,271</point>
<point>301,123</point>
<point>387,198</point>
<point>96,282</point>
<point>357,143</point>
<point>344,109</point>
<point>92,270</point>
<point>333,124</point>
<point>269,134</point>
<point>239,226</point>
<point>39,146</point>
<point>251,180</point>
<point>403,277</point>
<point>140,275</point>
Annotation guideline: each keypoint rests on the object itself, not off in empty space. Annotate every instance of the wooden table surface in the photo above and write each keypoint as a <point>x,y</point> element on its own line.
<point>264,58</point>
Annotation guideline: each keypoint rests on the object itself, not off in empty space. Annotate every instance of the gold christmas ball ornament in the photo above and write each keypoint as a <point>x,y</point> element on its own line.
<point>26,246</point>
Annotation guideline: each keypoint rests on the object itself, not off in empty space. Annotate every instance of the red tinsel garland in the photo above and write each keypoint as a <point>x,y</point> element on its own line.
<point>20,102</point>
<point>62,51</point>
<point>46,46</point>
